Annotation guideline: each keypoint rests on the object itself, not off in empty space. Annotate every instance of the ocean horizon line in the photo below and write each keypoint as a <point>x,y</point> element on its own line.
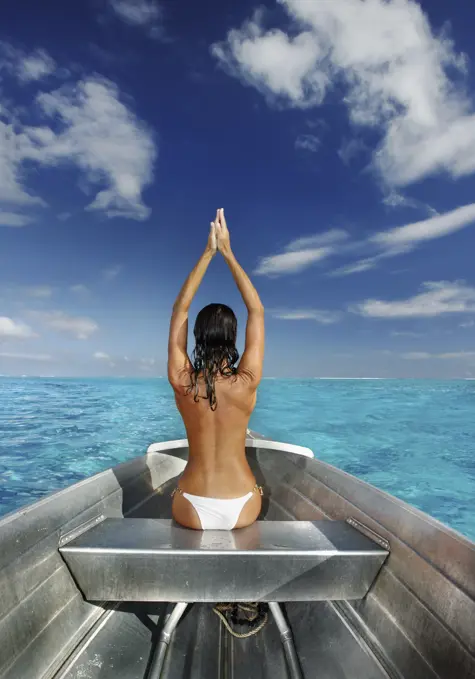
<point>162,377</point>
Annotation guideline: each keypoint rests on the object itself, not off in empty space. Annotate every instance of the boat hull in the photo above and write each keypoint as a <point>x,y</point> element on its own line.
<point>415,622</point>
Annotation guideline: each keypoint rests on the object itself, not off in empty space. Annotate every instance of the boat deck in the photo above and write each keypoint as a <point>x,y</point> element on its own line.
<point>201,647</point>
<point>121,647</point>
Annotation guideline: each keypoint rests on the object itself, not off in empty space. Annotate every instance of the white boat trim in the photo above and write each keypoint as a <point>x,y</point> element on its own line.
<point>167,445</point>
<point>277,445</point>
<point>250,443</point>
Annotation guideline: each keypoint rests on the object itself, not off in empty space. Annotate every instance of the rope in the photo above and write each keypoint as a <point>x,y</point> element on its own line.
<point>254,609</point>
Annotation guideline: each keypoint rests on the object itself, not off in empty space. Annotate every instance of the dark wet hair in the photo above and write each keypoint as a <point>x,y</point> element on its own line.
<point>215,342</point>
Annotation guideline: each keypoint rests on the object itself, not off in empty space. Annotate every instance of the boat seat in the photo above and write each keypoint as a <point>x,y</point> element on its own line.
<point>157,560</point>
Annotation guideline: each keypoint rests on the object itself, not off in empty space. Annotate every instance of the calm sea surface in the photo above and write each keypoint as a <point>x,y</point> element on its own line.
<point>412,438</point>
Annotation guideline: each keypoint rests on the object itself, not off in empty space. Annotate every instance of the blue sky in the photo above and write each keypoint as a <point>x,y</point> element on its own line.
<point>339,137</point>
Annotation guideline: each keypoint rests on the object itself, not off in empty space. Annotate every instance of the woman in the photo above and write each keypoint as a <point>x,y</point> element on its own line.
<point>215,398</point>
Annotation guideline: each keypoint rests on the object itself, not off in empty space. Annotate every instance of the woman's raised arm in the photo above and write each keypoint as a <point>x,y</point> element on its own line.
<point>246,288</point>
<point>250,365</point>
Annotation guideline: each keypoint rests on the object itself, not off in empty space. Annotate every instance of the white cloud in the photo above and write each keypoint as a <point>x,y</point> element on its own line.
<point>12,218</point>
<point>100,355</point>
<point>329,237</point>
<point>79,289</point>
<point>357,267</point>
<point>139,12</point>
<point>307,142</point>
<point>103,137</point>
<point>277,64</point>
<point>35,66</point>
<point>404,239</point>
<point>144,13</point>
<point>41,291</point>
<point>405,333</point>
<point>81,327</point>
<point>457,355</point>
<point>416,355</point>
<point>27,357</point>
<point>112,272</point>
<point>435,227</point>
<point>439,298</point>
<point>350,148</point>
<point>12,191</point>
<point>148,361</point>
<point>319,315</point>
<point>397,199</point>
<point>301,253</point>
<point>451,356</point>
<point>14,291</point>
<point>91,127</point>
<point>398,77</point>
<point>291,262</point>
<point>146,364</point>
<point>26,67</point>
<point>10,329</point>
<point>467,324</point>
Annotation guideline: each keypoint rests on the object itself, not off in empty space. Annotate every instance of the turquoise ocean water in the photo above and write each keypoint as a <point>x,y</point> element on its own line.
<point>412,438</point>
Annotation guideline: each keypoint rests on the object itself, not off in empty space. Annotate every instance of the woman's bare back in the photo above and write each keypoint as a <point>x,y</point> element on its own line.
<point>217,465</point>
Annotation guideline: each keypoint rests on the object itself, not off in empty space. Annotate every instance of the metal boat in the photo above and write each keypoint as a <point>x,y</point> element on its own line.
<point>98,582</point>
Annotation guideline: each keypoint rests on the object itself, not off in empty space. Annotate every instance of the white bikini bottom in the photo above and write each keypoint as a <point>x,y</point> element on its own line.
<point>216,513</point>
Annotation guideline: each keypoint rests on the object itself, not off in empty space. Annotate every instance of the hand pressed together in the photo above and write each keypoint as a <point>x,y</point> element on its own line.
<point>219,234</point>
<point>212,244</point>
